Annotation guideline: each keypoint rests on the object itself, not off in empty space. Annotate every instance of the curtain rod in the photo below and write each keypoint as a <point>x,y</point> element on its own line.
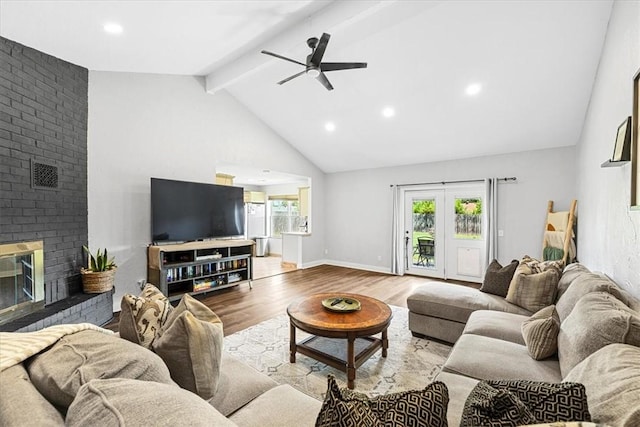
<point>510,178</point>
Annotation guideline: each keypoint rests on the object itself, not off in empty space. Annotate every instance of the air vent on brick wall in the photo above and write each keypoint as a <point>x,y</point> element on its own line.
<point>44,175</point>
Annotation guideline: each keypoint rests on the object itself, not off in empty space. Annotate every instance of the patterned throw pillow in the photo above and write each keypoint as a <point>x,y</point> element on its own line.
<point>540,333</point>
<point>534,283</point>
<point>497,278</point>
<point>518,402</point>
<point>142,317</point>
<point>190,343</point>
<point>343,407</point>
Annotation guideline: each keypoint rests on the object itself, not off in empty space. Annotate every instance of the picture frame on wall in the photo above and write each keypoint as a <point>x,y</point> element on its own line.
<point>635,158</point>
<point>621,150</point>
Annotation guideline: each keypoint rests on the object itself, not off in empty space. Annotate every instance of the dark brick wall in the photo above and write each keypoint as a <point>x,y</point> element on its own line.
<point>43,119</point>
<point>79,308</point>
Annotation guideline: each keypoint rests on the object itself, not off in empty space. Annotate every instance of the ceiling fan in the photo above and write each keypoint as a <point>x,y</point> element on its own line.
<point>314,66</point>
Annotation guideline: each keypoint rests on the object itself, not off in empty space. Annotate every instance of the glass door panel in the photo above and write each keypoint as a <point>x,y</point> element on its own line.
<point>424,242</point>
<point>465,240</point>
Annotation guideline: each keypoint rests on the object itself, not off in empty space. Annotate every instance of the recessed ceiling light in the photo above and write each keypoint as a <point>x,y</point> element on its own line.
<point>473,89</point>
<point>388,112</point>
<point>330,126</point>
<point>112,28</point>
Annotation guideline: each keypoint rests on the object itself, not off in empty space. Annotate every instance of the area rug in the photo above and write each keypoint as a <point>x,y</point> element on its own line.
<point>411,363</point>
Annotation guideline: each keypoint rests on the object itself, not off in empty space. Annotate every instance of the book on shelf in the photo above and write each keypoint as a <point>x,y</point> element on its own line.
<point>201,286</point>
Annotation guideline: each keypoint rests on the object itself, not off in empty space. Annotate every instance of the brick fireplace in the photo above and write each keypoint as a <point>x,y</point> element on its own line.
<point>21,280</point>
<point>43,176</point>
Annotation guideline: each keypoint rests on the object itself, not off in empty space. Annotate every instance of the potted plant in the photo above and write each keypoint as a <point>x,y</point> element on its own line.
<point>100,273</point>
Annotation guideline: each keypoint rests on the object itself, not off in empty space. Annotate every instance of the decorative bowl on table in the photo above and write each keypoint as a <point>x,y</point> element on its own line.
<point>341,304</point>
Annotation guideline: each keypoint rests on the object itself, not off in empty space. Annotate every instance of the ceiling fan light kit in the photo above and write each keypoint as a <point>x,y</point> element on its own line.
<point>313,72</point>
<point>314,67</point>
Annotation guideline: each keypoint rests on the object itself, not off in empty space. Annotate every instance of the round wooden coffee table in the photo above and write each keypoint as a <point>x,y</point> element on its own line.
<point>327,327</point>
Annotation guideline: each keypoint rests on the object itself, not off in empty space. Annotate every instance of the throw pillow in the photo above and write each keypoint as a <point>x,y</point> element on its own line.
<point>489,406</point>
<point>497,278</point>
<point>583,284</point>
<point>76,359</point>
<point>540,333</point>
<point>142,317</point>
<point>20,402</point>
<point>517,402</point>
<point>597,320</point>
<point>534,284</point>
<point>612,376</point>
<point>342,407</point>
<point>569,274</point>
<point>126,402</point>
<point>190,343</point>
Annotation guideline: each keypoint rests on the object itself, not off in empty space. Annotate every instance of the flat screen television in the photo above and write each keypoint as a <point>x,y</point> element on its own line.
<point>188,211</point>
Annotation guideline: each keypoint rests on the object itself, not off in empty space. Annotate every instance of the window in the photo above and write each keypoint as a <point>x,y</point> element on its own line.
<point>468,220</point>
<point>284,214</point>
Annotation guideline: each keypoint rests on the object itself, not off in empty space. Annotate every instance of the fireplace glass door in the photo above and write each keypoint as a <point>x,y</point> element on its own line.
<point>21,279</point>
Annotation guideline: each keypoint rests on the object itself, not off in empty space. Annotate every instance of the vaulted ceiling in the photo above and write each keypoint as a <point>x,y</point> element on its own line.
<point>533,64</point>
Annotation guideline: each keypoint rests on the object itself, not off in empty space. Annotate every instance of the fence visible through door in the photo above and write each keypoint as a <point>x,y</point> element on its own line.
<point>443,232</point>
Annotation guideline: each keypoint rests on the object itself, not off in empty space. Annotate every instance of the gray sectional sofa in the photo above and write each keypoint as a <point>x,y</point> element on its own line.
<point>598,342</point>
<point>597,345</point>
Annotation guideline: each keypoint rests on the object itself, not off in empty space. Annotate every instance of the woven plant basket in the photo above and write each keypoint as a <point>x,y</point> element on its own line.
<point>97,282</point>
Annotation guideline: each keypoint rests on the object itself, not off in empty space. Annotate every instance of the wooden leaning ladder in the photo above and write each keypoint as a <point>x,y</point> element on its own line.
<point>568,232</point>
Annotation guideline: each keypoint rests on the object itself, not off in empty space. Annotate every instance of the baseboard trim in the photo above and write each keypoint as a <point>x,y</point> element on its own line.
<point>375,269</point>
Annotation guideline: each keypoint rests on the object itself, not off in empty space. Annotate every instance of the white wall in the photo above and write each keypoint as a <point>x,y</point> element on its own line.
<point>358,212</point>
<point>145,125</point>
<point>609,233</point>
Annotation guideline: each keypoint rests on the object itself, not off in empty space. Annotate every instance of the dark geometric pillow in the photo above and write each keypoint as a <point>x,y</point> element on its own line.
<point>343,407</point>
<point>489,406</point>
<point>497,278</point>
<point>517,402</point>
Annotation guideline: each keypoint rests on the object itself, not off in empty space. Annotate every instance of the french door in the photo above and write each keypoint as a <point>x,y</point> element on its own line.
<point>424,243</point>
<point>444,232</point>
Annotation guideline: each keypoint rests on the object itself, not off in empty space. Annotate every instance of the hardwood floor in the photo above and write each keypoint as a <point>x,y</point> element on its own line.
<point>240,307</point>
<point>269,266</point>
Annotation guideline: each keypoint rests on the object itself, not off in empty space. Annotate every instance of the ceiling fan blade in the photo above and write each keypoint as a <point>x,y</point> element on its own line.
<point>325,81</point>
<point>336,66</point>
<point>318,53</point>
<point>282,57</point>
<point>292,77</point>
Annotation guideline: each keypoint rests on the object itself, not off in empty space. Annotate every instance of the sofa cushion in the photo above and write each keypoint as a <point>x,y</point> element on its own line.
<point>141,317</point>
<point>487,358</point>
<point>534,284</point>
<point>127,402</point>
<point>239,384</point>
<point>456,302</point>
<point>76,359</point>
<point>518,402</point>
<point>343,407</point>
<point>497,278</point>
<point>583,284</point>
<point>459,387</point>
<point>611,376</point>
<point>496,324</point>
<point>190,343</point>
<point>280,406</point>
<point>20,402</point>
<point>598,319</point>
<point>570,273</point>
<point>435,327</point>
<point>540,333</point>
